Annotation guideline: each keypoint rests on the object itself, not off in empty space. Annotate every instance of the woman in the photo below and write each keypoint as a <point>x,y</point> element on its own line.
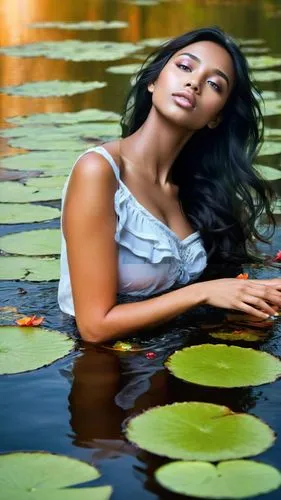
<point>142,215</point>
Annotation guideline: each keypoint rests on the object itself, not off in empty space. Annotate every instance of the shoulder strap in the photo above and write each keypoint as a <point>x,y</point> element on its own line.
<point>107,155</point>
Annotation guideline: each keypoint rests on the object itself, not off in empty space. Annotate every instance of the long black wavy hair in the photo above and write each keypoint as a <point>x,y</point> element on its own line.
<point>220,192</point>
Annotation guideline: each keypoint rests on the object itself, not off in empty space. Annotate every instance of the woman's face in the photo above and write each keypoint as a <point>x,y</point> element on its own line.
<point>194,86</point>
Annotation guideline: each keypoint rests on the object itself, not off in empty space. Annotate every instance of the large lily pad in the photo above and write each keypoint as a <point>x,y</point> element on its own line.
<point>49,88</point>
<point>271,107</point>
<point>83,25</point>
<point>50,161</point>
<point>199,431</point>
<point>270,148</point>
<point>43,475</point>
<point>84,116</point>
<point>232,479</point>
<point>266,76</point>
<point>38,242</point>
<point>47,182</point>
<point>268,173</point>
<point>125,69</point>
<point>263,62</point>
<point>270,133</point>
<point>16,213</point>
<point>224,366</point>
<point>27,348</point>
<point>29,269</point>
<point>15,192</point>
<point>153,42</point>
<point>73,50</point>
<point>250,41</point>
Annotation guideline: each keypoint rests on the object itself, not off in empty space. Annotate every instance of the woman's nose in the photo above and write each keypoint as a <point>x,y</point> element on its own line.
<point>193,85</point>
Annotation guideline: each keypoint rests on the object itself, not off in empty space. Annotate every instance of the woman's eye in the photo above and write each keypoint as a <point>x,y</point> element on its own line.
<point>215,86</point>
<point>184,67</point>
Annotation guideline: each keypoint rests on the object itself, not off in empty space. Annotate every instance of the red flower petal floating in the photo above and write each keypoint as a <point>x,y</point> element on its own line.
<point>30,321</point>
<point>277,257</point>
<point>242,276</point>
<point>150,355</point>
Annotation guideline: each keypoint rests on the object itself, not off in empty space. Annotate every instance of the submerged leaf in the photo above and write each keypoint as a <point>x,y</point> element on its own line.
<point>245,335</point>
<point>199,431</point>
<point>43,475</point>
<point>83,25</point>
<point>48,88</point>
<point>25,348</point>
<point>224,366</point>
<point>29,269</point>
<point>38,242</point>
<point>232,479</point>
<point>73,50</point>
<point>17,213</point>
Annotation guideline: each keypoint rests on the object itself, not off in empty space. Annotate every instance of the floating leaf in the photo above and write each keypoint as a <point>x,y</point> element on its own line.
<point>29,269</point>
<point>73,50</point>
<point>47,182</point>
<point>224,366</point>
<point>43,475</point>
<point>272,132</point>
<point>266,76</point>
<point>148,3</point>
<point>15,192</point>
<point>199,431</point>
<point>153,42</point>
<point>16,213</point>
<point>30,321</point>
<point>38,242</point>
<point>255,50</point>
<point>263,62</point>
<point>49,88</point>
<point>125,69</point>
<point>250,41</point>
<point>245,335</point>
<point>50,161</point>
<point>271,107</point>
<point>27,348</point>
<point>84,116</point>
<point>232,479</point>
<point>269,94</point>
<point>270,148</point>
<point>84,25</point>
<point>268,173</point>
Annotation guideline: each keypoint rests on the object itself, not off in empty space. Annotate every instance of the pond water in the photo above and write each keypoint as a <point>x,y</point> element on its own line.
<point>79,405</point>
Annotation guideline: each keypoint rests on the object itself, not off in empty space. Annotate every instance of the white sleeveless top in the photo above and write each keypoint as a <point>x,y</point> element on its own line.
<point>151,257</point>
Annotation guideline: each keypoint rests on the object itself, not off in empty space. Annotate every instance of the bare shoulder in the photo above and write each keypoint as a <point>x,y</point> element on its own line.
<point>91,168</point>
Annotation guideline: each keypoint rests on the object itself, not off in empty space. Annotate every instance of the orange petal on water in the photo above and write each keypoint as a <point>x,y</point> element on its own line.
<point>277,257</point>
<point>242,276</point>
<point>29,321</point>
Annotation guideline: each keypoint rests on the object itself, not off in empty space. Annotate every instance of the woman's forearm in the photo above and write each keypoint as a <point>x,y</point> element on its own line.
<point>124,319</point>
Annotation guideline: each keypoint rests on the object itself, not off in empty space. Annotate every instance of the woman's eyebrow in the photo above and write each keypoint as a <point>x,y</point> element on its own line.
<point>217,71</point>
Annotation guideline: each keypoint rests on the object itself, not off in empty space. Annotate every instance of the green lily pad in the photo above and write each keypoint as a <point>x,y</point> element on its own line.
<point>224,366</point>
<point>25,348</point>
<point>125,69</point>
<point>47,182</point>
<point>50,161</point>
<point>199,431</point>
<point>271,107</point>
<point>270,148</point>
<point>49,88</point>
<point>266,76</point>
<point>269,94</point>
<point>268,173</point>
<point>255,50</point>
<point>232,479</point>
<point>15,192</point>
<point>148,3</point>
<point>84,25</point>
<point>250,41</point>
<point>245,335</point>
<point>16,213</point>
<point>38,242</point>
<point>43,475</point>
<point>153,42</point>
<point>263,62</point>
<point>73,50</point>
<point>84,116</point>
<point>30,269</point>
<point>270,133</point>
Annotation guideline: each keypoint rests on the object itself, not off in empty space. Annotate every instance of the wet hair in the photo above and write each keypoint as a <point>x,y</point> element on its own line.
<point>220,192</point>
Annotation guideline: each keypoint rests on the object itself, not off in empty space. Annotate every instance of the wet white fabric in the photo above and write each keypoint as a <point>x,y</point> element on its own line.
<point>151,257</point>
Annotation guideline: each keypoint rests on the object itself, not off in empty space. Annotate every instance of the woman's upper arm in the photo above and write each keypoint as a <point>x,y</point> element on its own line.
<point>89,223</point>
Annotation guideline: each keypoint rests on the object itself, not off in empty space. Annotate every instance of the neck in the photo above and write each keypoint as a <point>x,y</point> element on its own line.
<point>153,148</point>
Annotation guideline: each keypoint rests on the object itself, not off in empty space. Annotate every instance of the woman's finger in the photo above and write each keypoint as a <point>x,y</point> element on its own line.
<point>260,304</point>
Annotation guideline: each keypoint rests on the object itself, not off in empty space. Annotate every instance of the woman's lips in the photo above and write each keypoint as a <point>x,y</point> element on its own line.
<point>184,100</point>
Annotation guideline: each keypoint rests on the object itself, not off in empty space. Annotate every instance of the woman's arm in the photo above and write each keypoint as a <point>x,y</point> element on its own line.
<point>89,224</point>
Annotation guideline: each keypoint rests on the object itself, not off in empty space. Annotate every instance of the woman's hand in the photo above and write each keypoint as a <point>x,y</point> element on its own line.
<point>259,298</point>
